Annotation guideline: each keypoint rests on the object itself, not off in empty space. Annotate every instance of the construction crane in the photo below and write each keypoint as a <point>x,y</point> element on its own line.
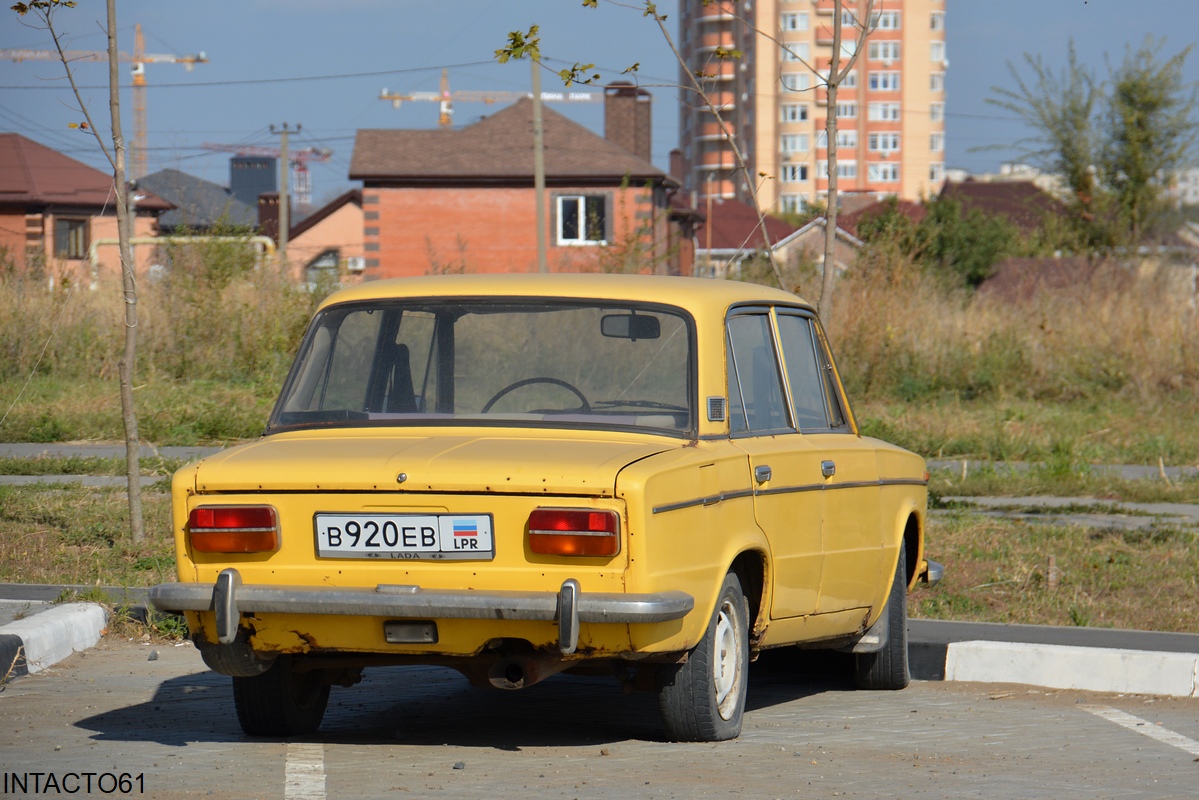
<point>298,160</point>
<point>446,98</point>
<point>139,59</point>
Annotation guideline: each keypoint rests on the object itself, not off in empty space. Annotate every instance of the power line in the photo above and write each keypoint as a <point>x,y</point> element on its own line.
<point>262,81</point>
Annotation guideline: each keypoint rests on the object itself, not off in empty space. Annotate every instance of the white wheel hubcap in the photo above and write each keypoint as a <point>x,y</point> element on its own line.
<point>726,666</point>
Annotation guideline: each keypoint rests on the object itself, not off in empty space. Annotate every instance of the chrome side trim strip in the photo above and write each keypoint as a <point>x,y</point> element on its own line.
<point>807,487</point>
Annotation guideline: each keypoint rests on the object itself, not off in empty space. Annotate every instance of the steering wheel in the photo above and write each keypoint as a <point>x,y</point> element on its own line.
<point>585,407</point>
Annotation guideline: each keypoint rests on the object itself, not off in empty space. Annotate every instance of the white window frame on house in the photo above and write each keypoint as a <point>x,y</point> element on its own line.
<point>797,51</point>
<point>845,169</point>
<point>847,110</point>
<point>794,173</point>
<point>936,82</point>
<point>793,112</point>
<point>850,82</point>
<point>791,203</point>
<point>794,21</point>
<point>885,112</point>
<point>936,171</point>
<point>572,207</point>
<point>936,112</point>
<point>884,81</point>
<point>882,173</point>
<point>846,139</point>
<point>796,81</point>
<point>883,143</point>
<point>936,142</point>
<point>886,20</point>
<point>883,51</point>
<point>936,51</point>
<point>936,21</point>
<point>794,143</point>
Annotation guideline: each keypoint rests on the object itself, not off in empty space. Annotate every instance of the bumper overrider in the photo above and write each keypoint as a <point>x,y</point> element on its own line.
<point>569,606</point>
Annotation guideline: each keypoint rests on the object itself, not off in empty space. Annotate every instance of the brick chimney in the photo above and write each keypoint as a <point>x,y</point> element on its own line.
<point>627,118</point>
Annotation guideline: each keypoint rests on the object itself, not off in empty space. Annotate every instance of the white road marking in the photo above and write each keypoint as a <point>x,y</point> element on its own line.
<point>1145,727</point>
<point>304,777</point>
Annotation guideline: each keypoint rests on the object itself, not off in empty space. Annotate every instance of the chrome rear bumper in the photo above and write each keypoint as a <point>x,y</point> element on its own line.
<point>569,606</point>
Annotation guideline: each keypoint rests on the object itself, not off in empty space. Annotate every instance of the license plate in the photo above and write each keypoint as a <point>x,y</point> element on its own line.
<point>405,536</point>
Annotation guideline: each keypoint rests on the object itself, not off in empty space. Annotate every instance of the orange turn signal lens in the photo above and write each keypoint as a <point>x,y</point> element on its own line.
<point>233,529</point>
<point>574,532</point>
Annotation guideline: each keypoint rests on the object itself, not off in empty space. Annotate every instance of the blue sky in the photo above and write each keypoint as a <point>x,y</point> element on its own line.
<point>322,65</point>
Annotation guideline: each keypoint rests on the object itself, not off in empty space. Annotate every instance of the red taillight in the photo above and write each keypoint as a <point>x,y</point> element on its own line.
<point>233,529</point>
<point>574,532</point>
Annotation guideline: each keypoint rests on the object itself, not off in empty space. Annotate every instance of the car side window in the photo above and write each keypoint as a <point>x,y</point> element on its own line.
<point>832,395</point>
<point>756,403</point>
<point>804,372</point>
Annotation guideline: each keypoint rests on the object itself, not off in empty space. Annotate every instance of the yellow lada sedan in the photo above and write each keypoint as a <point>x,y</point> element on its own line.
<point>520,475</point>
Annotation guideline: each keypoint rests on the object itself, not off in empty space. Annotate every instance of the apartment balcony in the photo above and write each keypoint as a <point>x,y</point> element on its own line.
<point>723,101</point>
<point>717,71</point>
<point>715,12</point>
<point>721,160</point>
<point>825,7</point>
<point>711,131</point>
<point>824,35</point>
<point>710,41</point>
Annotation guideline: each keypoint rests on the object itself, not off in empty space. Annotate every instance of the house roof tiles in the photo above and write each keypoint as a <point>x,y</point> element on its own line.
<point>33,174</point>
<point>497,150</point>
<point>735,226</point>
<point>198,203</point>
<point>1021,202</point>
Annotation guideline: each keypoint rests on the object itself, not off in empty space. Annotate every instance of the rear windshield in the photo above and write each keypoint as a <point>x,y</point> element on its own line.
<point>572,364</point>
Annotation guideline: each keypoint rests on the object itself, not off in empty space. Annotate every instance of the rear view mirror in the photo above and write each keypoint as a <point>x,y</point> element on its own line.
<point>630,326</point>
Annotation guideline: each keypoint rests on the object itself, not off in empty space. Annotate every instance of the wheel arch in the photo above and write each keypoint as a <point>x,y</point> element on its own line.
<point>751,568</point>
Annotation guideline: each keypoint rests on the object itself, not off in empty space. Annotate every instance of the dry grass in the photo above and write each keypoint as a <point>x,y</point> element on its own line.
<point>901,335</point>
<point>998,571</point>
<point>80,536</point>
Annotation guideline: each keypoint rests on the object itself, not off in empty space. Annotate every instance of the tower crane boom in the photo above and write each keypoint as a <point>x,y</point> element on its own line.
<point>139,59</point>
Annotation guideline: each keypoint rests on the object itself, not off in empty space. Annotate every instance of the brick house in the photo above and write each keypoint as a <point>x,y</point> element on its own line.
<point>54,208</point>
<point>328,242</point>
<point>463,200</point>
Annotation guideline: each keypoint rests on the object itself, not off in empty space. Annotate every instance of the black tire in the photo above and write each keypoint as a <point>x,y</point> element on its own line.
<point>703,699</point>
<point>280,701</point>
<point>888,668</point>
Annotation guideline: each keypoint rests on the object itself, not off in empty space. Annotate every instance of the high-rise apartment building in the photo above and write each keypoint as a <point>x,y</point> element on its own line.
<point>772,97</point>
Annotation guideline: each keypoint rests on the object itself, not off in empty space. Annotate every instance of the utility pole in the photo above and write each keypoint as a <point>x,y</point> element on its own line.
<point>284,185</point>
<point>539,165</point>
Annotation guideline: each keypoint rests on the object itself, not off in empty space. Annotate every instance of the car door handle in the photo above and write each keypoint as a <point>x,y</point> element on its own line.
<point>828,469</point>
<point>762,473</point>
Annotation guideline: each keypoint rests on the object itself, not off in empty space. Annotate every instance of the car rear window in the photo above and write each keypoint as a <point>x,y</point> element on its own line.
<point>536,362</point>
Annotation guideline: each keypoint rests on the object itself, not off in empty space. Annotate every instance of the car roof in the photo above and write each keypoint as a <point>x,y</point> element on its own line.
<point>701,296</point>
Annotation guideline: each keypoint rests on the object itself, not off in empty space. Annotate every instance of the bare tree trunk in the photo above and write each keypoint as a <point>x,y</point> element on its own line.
<point>836,74</point>
<point>125,224</point>
<point>825,304</point>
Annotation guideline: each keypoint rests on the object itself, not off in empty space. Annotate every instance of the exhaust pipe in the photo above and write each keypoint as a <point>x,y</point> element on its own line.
<point>521,672</point>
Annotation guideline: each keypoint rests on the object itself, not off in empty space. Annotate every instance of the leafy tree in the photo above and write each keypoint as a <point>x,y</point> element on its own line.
<point>965,246</point>
<point>1148,133</point>
<point>1117,145</point>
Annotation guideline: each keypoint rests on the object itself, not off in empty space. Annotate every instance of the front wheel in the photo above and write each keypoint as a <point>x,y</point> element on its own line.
<point>888,668</point>
<point>703,699</point>
<point>281,701</point>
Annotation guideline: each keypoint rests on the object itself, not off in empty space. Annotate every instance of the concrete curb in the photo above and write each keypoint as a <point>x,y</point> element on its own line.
<point>31,645</point>
<point>1064,667</point>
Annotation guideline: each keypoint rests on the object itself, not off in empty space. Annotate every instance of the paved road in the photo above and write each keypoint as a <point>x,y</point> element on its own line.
<point>424,732</point>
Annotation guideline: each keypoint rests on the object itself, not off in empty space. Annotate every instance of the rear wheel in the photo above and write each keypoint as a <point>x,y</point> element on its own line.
<point>888,668</point>
<point>281,701</point>
<point>703,699</point>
